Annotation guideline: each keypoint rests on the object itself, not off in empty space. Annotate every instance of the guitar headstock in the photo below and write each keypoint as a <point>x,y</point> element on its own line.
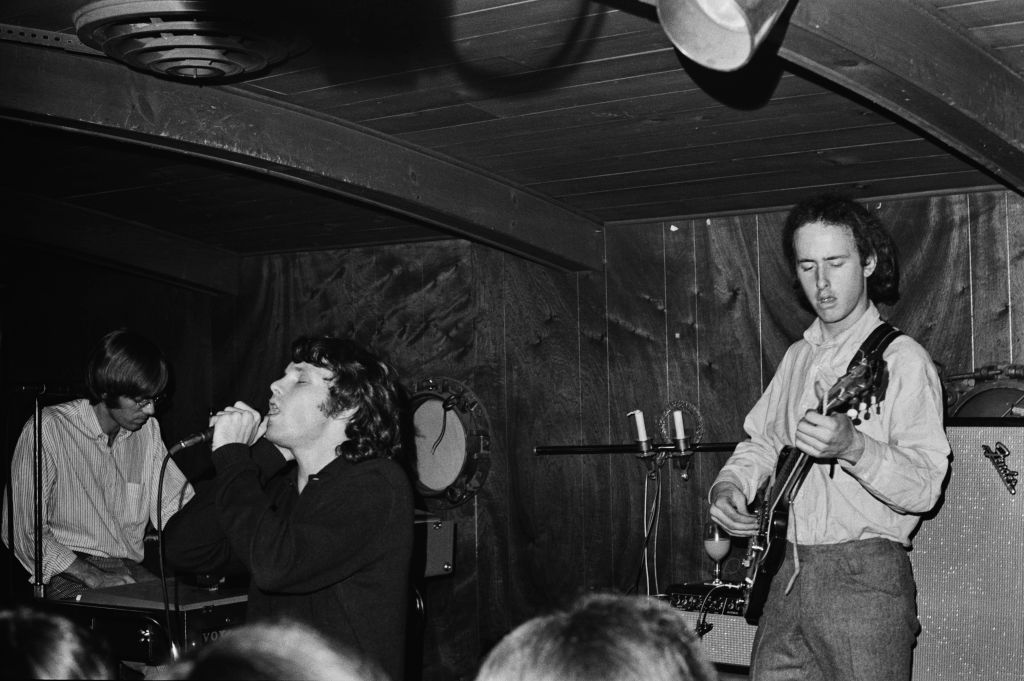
<point>860,389</point>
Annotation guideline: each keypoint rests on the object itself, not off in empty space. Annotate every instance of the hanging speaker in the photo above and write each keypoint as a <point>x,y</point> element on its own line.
<point>968,560</point>
<point>718,34</point>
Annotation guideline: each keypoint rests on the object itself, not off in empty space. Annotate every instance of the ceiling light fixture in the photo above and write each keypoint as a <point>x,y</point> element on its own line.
<point>718,34</point>
<point>189,40</point>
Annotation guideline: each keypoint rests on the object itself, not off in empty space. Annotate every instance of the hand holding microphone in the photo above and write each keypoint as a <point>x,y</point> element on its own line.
<point>238,423</point>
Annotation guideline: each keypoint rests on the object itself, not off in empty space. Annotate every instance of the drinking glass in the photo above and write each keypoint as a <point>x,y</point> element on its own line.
<point>716,544</point>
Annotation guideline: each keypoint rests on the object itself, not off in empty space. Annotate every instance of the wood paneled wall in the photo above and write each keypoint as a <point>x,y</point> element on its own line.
<point>697,310</point>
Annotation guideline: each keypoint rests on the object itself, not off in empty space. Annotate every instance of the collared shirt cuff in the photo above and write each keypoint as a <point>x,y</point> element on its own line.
<point>58,563</point>
<point>726,477</point>
<point>868,461</point>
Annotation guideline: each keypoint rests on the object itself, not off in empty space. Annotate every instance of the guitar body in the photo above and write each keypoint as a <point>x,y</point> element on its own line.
<point>768,547</point>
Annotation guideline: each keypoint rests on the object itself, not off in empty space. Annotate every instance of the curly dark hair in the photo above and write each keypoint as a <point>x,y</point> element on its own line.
<point>360,380</point>
<point>125,363</point>
<point>869,235</point>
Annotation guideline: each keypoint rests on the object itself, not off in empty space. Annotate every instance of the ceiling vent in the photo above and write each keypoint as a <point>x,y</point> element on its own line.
<point>186,40</point>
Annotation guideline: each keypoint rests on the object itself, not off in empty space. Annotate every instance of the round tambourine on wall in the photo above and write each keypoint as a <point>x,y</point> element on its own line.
<point>453,441</point>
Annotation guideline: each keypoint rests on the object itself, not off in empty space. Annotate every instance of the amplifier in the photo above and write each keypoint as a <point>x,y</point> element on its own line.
<point>714,612</point>
<point>131,617</point>
<point>967,560</point>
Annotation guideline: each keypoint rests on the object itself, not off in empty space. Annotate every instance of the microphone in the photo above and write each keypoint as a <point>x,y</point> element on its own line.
<point>190,441</point>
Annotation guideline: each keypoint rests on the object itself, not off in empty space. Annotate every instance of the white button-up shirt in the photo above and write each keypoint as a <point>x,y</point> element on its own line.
<point>906,454</point>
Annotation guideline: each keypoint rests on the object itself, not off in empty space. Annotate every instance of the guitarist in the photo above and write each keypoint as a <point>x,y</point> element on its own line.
<point>843,603</point>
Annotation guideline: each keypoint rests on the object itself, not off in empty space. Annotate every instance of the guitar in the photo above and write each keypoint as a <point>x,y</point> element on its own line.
<point>859,391</point>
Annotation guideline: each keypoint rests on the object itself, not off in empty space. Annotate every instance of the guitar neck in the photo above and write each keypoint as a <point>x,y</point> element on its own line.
<point>789,472</point>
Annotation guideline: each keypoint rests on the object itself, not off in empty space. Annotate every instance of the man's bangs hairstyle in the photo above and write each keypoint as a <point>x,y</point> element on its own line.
<point>868,234</point>
<point>360,380</point>
<point>125,363</point>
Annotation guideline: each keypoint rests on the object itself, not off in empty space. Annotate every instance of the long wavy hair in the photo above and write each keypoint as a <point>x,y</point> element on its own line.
<point>869,235</point>
<point>360,380</point>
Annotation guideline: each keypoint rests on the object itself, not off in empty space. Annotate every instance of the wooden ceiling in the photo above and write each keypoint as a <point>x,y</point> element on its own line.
<point>530,125</point>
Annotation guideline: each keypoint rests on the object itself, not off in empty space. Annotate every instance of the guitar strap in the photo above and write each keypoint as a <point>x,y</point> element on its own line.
<point>872,349</point>
<point>875,344</point>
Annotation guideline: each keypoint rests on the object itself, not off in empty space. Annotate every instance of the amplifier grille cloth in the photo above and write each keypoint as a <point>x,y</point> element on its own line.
<point>729,641</point>
<point>969,565</point>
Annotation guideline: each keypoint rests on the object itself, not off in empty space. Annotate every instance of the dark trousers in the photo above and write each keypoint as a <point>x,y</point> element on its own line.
<point>850,615</point>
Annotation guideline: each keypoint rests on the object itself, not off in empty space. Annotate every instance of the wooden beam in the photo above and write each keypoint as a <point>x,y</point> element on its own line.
<point>121,244</point>
<point>905,58</point>
<point>236,126</point>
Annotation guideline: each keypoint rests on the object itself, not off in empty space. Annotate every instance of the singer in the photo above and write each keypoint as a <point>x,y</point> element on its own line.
<point>314,501</point>
<point>101,461</point>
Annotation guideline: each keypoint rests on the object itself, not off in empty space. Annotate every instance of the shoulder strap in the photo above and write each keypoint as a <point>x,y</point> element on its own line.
<point>875,344</point>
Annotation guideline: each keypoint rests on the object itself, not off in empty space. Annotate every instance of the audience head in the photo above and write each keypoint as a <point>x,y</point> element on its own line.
<point>40,645</point>
<point>125,364</point>
<point>868,233</point>
<point>271,650</point>
<point>603,637</point>
<point>362,381</point>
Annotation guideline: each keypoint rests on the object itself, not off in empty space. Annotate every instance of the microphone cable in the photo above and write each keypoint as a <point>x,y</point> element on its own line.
<point>171,633</point>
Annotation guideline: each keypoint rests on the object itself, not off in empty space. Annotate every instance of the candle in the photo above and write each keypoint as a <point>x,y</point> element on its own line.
<point>680,430</point>
<point>641,430</point>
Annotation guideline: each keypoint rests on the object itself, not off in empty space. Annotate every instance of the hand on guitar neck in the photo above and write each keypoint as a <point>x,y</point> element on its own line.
<point>829,437</point>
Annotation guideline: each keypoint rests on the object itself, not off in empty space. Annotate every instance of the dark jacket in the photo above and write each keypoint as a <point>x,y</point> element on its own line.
<point>336,557</point>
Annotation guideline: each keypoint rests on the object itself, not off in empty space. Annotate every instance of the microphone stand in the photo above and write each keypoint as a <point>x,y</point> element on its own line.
<point>38,390</point>
<point>680,451</point>
<point>38,588</point>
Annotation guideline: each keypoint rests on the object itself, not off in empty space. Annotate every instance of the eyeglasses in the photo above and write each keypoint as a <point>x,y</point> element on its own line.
<point>143,402</point>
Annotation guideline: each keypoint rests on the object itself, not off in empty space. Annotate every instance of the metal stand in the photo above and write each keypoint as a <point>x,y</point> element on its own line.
<point>38,588</point>
<point>680,451</point>
<point>38,390</point>
<point>654,455</point>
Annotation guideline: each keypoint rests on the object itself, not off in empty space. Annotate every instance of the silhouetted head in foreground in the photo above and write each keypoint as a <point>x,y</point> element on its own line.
<point>604,637</point>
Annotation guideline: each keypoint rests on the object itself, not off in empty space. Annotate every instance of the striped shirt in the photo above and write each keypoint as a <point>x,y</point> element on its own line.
<point>97,498</point>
